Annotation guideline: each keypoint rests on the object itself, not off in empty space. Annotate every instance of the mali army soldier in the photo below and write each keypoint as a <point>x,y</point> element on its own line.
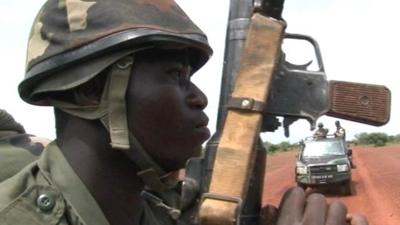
<point>340,131</point>
<point>128,116</point>
<point>17,148</point>
<point>321,132</point>
<point>8,125</point>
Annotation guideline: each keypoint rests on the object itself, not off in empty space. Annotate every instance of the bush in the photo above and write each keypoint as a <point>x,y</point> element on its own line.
<point>396,138</point>
<point>273,148</point>
<point>376,139</point>
<point>283,146</point>
<point>379,143</point>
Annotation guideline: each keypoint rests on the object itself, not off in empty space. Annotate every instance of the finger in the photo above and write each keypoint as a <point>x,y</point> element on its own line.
<point>310,191</point>
<point>357,219</point>
<point>269,215</point>
<point>316,209</point>
<point>336,214</point>
<point>292,206</point>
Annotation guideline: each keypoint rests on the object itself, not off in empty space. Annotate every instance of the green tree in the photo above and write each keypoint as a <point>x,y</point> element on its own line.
<point>376,139</point>
<point>285,146</point>
<point>396,138</point>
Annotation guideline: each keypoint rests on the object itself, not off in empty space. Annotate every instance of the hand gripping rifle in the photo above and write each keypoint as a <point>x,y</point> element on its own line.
<point>258,85</point>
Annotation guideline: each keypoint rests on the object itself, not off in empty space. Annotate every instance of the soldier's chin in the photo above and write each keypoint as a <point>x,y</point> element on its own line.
<point>195,153</point>
<point>180,161</point>
<point>198,152</point>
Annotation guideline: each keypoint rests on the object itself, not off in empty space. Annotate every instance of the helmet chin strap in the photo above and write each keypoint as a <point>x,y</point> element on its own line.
<point>117,119</point>
<point>117,124</point>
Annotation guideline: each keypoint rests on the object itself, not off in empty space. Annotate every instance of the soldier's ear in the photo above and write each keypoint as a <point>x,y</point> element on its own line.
<point>90,93</point>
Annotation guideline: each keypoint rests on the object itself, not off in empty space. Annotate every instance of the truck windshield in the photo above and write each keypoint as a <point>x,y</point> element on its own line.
<point>323,148</point>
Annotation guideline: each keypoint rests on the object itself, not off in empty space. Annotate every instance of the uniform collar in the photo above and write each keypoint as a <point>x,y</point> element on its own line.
<point>59,173</point>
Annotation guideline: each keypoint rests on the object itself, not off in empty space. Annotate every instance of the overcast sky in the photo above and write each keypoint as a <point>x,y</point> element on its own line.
<point>359,40</point>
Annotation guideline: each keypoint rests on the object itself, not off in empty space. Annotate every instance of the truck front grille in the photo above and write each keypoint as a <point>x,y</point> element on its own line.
<point>323,169</point>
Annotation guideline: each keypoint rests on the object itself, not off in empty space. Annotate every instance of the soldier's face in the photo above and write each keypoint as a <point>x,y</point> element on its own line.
<point>165,109</point>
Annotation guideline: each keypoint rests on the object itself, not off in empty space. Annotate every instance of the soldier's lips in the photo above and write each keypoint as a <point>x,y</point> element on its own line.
<point>203,130</point>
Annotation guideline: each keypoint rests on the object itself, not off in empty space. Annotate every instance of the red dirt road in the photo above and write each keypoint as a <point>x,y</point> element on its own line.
<point>375,187</point>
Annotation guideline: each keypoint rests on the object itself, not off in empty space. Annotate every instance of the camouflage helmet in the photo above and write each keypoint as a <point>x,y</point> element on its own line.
<point>69,33</point>
<point>73,41</point>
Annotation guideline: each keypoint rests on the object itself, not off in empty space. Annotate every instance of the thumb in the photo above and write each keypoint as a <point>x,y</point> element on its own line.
<point>269,215</point>
<point>356,219</point>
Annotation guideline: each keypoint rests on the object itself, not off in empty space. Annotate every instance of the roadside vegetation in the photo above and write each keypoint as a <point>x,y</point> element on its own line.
<point>281,147</point>
<point>376,139</point>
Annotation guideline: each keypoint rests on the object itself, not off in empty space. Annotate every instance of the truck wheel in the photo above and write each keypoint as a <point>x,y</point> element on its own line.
<point>346,188</point>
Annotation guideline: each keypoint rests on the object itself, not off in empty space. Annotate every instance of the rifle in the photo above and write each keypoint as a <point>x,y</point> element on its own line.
<point>258,85</point>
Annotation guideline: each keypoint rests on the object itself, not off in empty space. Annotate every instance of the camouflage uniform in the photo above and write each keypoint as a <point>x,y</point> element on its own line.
<point>49,192</point>
<point>17,148</point>
<point>321,132</point>
<point>340,131</point>
<point>71,42</point>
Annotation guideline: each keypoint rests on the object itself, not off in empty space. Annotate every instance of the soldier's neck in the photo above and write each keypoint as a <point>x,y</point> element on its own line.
<point>107,173</point>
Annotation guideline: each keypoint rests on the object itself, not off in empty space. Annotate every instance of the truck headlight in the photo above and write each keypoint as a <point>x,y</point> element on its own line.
<point>342,168</point>
<point>301,170</point>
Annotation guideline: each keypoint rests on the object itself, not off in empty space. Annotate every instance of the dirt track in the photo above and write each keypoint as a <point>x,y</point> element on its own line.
<point>375,187</point>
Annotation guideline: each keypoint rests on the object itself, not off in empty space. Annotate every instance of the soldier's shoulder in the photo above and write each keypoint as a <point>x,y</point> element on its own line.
<point>18,151</point>
<point>28,198</point>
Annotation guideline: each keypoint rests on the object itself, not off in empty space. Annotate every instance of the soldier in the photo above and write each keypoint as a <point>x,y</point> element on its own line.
<point>8,126</point>
<point>321,132</point>
<point>17,148</point>
<point>340,131</point>
<point>127,117</point>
